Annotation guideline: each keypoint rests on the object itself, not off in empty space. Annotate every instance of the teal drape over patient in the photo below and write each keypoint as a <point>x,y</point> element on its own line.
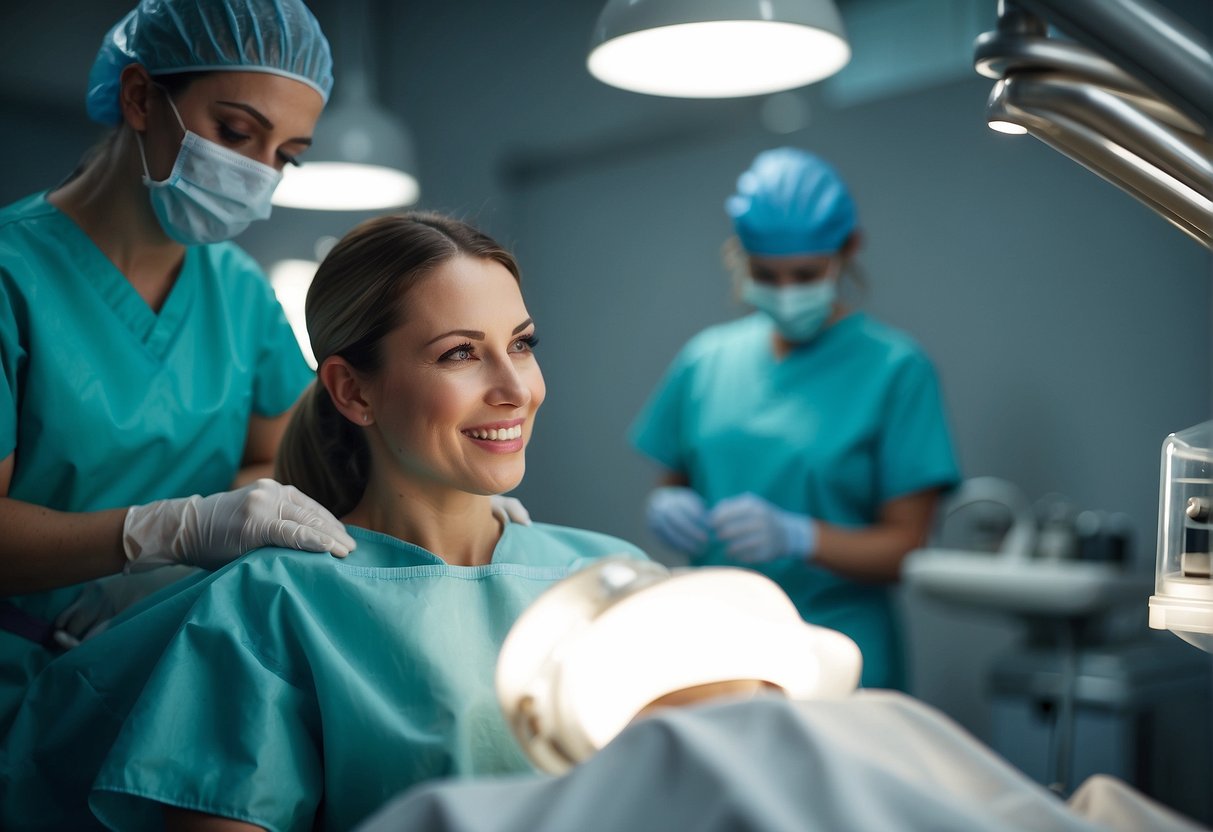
<point>105,403</point>
<point>295,684</point>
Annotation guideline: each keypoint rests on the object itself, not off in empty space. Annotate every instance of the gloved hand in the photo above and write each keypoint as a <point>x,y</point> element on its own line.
<point>212,531</point>
<point>101,600</point>
<point>509,508</point>
<point>753,530</point>
<point>678,516</point>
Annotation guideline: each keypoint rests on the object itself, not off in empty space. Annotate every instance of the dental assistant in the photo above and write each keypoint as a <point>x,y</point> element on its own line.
<point>806,440</point>
<point>146,369</point>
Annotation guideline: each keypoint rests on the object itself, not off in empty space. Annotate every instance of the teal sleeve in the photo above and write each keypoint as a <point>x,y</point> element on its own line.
<point>915,444</point>
<point>657,431</point>
<point>12,358</point>
<point>282,372</point>
<point>74,710</point>
<point>223,727</point>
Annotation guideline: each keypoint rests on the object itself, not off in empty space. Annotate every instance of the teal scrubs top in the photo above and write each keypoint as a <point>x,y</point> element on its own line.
<point>299,689</point>
<point>833,430</point>
<point>106,403</point>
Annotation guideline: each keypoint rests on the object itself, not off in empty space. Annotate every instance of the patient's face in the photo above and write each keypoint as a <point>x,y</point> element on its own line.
<point>460,385</point>
<point>731,689</point>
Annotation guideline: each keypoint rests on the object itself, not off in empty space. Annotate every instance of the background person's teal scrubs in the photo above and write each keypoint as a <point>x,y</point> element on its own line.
<point>296,683</point>
<point>107,403</point>
<point>833,430</point>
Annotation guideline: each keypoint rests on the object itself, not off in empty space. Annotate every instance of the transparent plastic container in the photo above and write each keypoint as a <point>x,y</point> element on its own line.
<point>1183,589</point>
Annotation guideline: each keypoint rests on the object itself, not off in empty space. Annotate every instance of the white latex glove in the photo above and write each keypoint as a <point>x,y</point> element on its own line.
<point>753,530</point>
<point>212,531</point>
<point>509,508</point>
<point>678,516</point>
<point>101,600</point>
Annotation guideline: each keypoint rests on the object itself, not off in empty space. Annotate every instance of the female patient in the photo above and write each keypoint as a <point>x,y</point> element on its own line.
<point>304,692</point>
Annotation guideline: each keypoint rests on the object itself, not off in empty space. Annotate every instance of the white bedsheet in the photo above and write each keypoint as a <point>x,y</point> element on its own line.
<point>875,761</point>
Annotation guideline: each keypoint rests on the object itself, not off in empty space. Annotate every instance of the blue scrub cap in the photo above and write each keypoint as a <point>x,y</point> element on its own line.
<point>170,36</point>
<point>791,202</point>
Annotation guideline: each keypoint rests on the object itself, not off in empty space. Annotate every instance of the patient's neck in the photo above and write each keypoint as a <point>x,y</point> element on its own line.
<point>457,526</point>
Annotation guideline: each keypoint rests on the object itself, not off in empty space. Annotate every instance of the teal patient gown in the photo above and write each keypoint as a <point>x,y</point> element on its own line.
<point>292,690</point>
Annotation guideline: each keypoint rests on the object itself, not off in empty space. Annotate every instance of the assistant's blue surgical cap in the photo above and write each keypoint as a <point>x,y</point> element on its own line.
<point>170,36</point>
<point>791,202</point>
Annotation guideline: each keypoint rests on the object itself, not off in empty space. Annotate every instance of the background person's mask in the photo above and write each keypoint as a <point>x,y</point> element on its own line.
<point>799,311</point>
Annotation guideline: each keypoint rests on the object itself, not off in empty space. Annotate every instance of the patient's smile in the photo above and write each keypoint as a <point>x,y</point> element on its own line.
<point>496,434</point>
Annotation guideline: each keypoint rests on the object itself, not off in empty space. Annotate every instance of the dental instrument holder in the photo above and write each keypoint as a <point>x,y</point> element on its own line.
<point>1183,586</point>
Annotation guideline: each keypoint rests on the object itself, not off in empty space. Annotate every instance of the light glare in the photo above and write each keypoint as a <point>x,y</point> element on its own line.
<point>719,59</point>
<point>603,700</point>
<point>343,186</point>
<point>291,279</point>
<point>1008,127</point>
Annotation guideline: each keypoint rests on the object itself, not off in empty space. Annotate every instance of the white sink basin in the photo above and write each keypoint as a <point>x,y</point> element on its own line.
<point>998,583</point>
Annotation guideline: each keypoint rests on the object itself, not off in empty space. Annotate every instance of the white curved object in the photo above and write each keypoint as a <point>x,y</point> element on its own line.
<point>594,650</point>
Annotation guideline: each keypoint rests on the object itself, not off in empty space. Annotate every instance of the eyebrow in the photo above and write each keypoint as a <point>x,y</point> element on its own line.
<point>262,120</point>
<point>475,334</point>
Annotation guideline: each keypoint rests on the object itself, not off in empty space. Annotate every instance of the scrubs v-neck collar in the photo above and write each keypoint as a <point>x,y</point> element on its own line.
<point>153,330</point>
<point>806,351</point>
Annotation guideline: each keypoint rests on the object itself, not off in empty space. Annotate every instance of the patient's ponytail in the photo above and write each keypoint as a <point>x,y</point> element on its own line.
<point>358,296</point>
<point>323,454</point>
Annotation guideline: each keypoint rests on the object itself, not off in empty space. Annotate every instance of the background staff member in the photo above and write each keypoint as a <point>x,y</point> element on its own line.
<point>807,440</point>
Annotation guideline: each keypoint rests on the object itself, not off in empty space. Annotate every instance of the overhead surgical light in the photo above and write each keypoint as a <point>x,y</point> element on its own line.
<point>716,48</point>
<point>361,158</point>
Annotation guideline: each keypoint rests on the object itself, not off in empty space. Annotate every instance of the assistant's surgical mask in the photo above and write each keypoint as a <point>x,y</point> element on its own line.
<point>212,194</point>
<point>800,310</point>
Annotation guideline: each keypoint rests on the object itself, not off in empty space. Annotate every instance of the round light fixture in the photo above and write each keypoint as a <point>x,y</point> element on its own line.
<point>361,159</point>
<point>716,48</point>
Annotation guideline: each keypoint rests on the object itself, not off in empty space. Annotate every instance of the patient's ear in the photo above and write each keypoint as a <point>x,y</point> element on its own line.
<point>345,386</point>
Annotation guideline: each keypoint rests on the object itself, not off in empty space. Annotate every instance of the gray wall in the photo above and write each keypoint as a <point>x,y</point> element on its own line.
<point>1070,326</point>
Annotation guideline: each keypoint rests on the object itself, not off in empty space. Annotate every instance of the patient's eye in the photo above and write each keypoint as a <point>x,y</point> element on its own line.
<point>526,343</point>
<point>463,352</point>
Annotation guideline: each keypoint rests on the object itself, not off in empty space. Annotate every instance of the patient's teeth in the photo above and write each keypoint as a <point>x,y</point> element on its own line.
<point>496,434</point>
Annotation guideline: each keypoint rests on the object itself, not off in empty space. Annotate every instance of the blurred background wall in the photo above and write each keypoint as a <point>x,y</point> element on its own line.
<point>1070,325</point>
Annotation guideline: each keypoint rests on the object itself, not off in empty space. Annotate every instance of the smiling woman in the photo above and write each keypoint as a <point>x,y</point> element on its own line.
<point>288,691</point>
<point>414,397</point>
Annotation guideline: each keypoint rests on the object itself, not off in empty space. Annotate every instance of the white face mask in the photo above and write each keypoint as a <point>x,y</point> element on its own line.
<point>212,193</point>
<point>799,311</point>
